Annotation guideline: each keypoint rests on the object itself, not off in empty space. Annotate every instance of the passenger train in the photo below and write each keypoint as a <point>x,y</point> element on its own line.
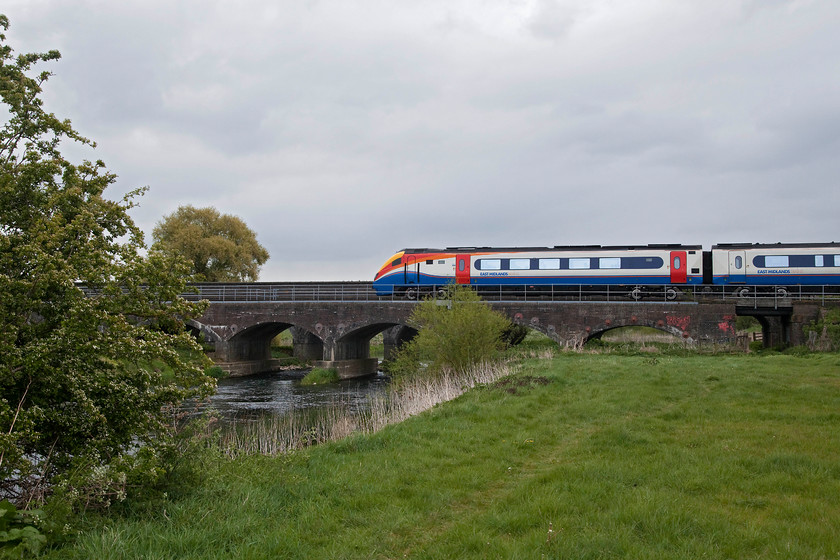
<point>773,266</point>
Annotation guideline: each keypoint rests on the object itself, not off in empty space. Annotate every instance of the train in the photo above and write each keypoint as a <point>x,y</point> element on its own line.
<point>734,266</point>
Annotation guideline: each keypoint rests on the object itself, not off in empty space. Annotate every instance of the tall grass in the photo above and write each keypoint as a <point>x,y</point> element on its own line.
<point>273,435</point>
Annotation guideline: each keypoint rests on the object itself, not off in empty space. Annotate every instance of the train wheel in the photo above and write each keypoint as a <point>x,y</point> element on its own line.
<point>411,293</point>
<point>636,293</point>
<point>742,292</point>
<point>442,293</point>
<point>671,294</point>
<point>782,292</point>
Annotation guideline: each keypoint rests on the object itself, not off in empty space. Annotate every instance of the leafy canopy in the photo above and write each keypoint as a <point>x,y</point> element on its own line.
<point>80,368</point>
<point>220,247</point>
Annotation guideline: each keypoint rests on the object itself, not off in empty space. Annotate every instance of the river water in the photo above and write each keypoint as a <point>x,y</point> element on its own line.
<point>279,393</point>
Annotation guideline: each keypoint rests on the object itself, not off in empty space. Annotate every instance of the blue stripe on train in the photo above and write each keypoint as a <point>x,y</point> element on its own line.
<point>781,279</point>
<point>386,284</point>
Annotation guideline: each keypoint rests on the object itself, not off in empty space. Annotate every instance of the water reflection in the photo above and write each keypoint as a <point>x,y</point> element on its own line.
<point>278,393</point>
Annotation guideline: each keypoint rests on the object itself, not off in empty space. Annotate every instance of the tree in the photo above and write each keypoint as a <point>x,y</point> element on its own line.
<point>463,333</point>
<point>86,320</point>
<point>220,247</point>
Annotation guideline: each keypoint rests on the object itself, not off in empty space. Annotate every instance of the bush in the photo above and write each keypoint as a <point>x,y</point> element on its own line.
<point>19,532</point>
<point>454,333</point>
<point>514,334</point>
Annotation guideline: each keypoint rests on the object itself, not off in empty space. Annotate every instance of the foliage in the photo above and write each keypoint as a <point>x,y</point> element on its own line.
<point>514,334</point>
<point>83,313</point>
<point>825,333</point>
<point>220,247</point>
<point>216,372</point>
<point>454,333</point>
<point>756,346</point>
<point>18,530</point>
<point>746,323</point>
<point>320,376</point>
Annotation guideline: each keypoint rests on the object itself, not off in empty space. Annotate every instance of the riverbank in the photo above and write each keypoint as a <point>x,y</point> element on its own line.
<point>581,456</point>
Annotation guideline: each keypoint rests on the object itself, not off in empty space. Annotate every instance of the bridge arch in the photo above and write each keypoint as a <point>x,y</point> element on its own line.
<point>355,344</point>
<point>253,343</point>
<point>658,325</point>
<point>201,330</point>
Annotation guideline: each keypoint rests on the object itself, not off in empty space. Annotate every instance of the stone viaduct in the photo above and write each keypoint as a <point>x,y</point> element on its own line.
<point>338,333</point>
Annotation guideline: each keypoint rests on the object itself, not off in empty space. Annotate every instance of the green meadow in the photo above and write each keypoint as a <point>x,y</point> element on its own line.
<point>578,456</point>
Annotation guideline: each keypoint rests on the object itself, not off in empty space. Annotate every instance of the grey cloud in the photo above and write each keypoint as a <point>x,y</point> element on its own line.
<point>342,131</point>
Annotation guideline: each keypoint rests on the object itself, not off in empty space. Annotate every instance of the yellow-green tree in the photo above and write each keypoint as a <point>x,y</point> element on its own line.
<point>220,247</point>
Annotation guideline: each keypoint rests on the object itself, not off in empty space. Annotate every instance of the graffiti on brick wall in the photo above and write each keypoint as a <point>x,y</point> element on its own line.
<point>679,321</point>
<point>728,324</point>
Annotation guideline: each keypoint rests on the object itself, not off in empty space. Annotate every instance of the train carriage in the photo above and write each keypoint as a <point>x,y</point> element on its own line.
<point>781,264</point>
<point>411,270</point>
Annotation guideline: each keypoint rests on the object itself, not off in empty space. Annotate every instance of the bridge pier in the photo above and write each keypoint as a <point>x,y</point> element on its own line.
<point>395,337</point>
<point>782,325</point>
<point>306,346</point>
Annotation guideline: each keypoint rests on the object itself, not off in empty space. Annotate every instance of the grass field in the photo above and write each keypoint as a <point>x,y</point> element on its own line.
<point>581,456</point>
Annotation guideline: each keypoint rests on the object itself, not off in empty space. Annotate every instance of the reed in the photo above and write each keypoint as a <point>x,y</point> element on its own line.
<point>274,435</point>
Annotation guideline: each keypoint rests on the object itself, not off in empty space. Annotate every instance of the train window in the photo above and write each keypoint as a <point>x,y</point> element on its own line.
<point>776,261</point>
<point>578,264</point>
<point>836,260</point>
<point>462,264</point>
<point>739,262</point>
<point>520,264</point>
<point>431,261</point>
<point>641,262</point>
<point>677,263</point>
<point>549,264</point>
<point>609,262</point>
<point>441,262</point>
<point>818,260</point>
<point>396,262</point>
<point>491,264</point>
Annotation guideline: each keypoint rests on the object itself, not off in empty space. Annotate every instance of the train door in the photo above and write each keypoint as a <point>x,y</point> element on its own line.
<point>411,271</point>
<point>737,267</point>
<point>679,267</point>
<point>462,269</point>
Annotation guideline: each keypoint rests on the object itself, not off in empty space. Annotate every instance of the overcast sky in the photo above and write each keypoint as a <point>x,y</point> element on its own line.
<point>341,131</point>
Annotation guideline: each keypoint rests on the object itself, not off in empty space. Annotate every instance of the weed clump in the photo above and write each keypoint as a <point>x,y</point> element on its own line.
<point>321,376</point>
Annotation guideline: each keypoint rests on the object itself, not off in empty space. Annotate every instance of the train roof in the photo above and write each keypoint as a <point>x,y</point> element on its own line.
<point>655,246</point>
<point>832,244</point>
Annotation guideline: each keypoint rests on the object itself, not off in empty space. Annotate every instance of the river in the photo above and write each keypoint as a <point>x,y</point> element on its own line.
<point>278,393</point>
